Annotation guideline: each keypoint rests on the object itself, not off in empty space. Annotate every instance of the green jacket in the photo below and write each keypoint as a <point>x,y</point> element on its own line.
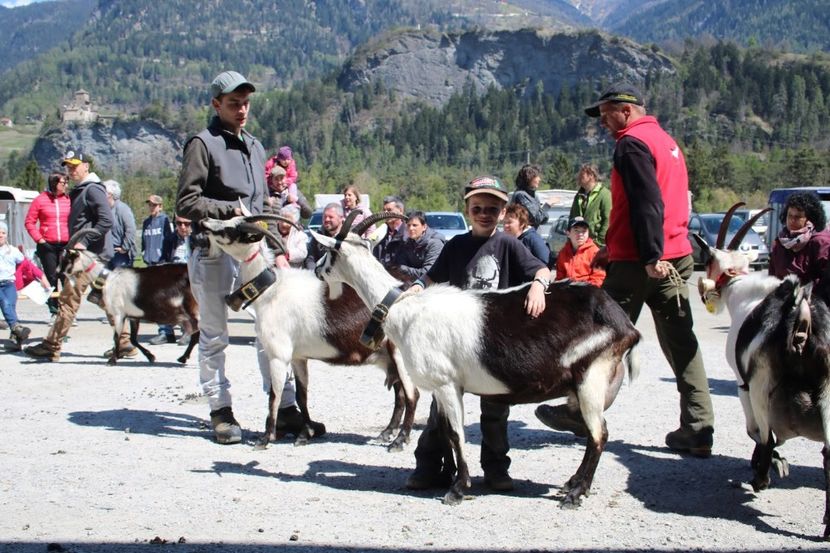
<point>595,207</point>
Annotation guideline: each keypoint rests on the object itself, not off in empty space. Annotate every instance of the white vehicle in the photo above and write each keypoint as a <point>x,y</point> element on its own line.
<point>14,204</point>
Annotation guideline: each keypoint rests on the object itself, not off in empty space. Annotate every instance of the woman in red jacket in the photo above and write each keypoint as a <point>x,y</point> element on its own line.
<point>47,222</point>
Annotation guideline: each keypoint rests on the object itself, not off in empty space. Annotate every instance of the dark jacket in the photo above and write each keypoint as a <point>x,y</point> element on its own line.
<point>90,209</point>
<point>218,171</point>
<point>386,251</point>
<point>416,257</point>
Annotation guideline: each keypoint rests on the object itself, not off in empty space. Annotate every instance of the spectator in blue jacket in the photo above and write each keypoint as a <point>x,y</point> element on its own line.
<point>155,230</point>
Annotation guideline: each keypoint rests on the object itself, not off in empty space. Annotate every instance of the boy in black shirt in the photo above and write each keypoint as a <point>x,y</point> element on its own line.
<point>480,259</point>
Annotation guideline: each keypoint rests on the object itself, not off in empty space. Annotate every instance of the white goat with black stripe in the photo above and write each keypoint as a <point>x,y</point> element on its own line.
<point>779,348</point>
<point>450,341</point>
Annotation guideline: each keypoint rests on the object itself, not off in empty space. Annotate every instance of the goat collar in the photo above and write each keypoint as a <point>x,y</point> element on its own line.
<point>725,280</point>
<point>246,294</point>
<point>373,333</point>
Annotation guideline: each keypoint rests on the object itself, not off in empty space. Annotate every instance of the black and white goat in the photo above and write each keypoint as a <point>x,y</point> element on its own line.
<point>779,348</point>
<point>297,319</point>
<point>159,294</point>
<point>451,341</point>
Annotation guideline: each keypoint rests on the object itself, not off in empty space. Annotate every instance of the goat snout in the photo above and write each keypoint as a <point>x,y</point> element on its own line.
<point>707,289</point>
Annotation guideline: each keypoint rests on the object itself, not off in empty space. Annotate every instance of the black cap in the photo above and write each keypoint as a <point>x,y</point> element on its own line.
<point>617,92</point>
<point>577,221</point>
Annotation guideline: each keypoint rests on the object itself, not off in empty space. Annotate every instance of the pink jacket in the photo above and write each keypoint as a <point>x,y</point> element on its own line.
<point>290,174</point>
<point>52,214</point>
<point>26,273</point>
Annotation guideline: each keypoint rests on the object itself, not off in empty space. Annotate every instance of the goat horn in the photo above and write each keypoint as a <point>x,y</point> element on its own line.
<point>272,217</point>
<point>363,225</point>
<point>347,224</point>
<point>253,228</point>
<point>75,238</point>
<point>739,236</point>
<point>724,225</point>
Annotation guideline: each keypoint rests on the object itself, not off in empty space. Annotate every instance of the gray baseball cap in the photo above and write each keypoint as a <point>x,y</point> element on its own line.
<point>227,82</point>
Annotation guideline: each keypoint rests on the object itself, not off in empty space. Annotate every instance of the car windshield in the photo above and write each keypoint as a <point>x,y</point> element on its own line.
<point>448,222</point>
<point>712,223</point>
<point>316,219</point>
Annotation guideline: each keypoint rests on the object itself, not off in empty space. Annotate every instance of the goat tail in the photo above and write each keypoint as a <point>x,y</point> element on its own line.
<point>632,360</point>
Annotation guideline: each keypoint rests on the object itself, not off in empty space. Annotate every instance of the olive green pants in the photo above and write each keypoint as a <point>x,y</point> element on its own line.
<point>628,283</point>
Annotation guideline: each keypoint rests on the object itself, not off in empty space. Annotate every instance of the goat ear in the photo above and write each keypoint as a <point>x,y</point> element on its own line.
<point>326,241</point>
<point>377,236</point>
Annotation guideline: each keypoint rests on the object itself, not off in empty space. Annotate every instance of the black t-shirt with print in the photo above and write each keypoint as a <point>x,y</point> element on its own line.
<point>484,263</point>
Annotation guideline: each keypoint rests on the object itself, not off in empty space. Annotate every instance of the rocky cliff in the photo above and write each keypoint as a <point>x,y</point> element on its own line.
<point>431,66</point>
<point>117,148</point>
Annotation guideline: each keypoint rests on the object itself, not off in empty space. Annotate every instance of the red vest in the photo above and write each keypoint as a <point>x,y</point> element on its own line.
<point>670,167</point>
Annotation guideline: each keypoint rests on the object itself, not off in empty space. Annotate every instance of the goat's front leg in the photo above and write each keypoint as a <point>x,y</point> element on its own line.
<point>134,341</point>
<point>277,371</point>
<point>762,455</point>
<point>825,452</point>
<point>451,414</point>
<point>411,404</point>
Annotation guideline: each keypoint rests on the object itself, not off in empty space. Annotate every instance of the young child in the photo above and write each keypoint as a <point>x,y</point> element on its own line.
<point>284,159</point>
<point>574,261</point>
<point>10,258</point>
<point>483,259</point>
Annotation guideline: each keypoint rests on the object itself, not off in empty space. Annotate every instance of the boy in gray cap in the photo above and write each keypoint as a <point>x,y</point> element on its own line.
<point>224,166</point>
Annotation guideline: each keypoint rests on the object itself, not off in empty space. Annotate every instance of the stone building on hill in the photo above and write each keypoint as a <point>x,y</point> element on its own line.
<point>80,110</point>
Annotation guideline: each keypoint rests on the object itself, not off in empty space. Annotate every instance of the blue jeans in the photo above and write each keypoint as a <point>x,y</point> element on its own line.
<point>8,302</point>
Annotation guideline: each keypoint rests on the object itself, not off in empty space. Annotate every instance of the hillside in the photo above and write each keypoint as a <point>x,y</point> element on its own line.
<point>28,31</point>
<point>794,25</point>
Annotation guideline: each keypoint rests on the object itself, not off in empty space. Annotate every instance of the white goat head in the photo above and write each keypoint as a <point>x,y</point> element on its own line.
<point>723,264</point>
<point>346,241</point>
<point>239,235</point>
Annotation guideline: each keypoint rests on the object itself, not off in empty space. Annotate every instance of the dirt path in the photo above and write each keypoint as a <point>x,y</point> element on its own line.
<point>98,458</point>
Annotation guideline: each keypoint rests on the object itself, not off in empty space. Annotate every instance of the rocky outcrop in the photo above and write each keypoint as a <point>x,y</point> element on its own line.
<point>432,66</point>
<point>117,148</point>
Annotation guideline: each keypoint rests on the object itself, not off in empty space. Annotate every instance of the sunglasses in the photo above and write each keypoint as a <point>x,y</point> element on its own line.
<point>492,211</point>
<point>184,223</point>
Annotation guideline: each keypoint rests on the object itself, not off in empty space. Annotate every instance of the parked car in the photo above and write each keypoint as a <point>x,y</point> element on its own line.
<point>760,225</point>
<point>314,222</point>
<point>707,225</point>
<point>557,235</point>
<point>447,223</point>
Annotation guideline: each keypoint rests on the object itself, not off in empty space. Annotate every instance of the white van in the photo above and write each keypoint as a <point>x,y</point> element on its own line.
<point>14,205</point>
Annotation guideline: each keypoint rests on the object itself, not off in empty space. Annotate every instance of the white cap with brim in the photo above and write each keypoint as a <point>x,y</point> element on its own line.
<point>227,82</point>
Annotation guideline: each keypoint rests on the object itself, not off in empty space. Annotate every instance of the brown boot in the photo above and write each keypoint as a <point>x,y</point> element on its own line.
<point>43,351</point>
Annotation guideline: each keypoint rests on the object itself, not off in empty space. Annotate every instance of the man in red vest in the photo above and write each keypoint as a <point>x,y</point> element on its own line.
<point>646,241</point>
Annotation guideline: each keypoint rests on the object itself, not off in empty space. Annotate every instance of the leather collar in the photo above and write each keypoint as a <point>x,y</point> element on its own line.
<point>246,294</point>
<point>373,334</point>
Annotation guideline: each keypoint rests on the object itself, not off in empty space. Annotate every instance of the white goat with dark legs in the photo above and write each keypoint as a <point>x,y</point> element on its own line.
<point>159,294</point>
<point>297,320</point>
<point>779,348</point>
<point>451,341</point>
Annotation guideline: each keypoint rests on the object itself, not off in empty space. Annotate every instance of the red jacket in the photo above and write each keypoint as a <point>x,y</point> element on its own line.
<point>576,265</point>
<point>656,179</point>
<point>52,212</point>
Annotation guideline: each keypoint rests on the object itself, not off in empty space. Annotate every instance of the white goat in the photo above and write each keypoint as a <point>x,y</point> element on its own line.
<point>778,346</point>
<point>296,320</point>
<point>452,341</point>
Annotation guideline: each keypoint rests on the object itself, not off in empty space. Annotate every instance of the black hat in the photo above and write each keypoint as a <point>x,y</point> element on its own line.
<point>617,92</point>
<point>577,221</point>
<point>74,156</point>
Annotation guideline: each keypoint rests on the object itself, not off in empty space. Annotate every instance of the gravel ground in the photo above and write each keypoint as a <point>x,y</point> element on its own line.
<point>99,458</point>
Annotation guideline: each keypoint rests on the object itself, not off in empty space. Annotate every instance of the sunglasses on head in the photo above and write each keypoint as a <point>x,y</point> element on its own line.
<point>489,210</point>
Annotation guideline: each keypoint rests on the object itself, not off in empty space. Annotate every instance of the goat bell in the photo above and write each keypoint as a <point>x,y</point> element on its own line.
<point>706,289</point>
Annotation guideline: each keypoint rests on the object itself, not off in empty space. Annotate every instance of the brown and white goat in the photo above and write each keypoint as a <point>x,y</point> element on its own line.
<point>297,319</point>
<point>452,341</point>
<point>779,347</point>
<point>159,294</point>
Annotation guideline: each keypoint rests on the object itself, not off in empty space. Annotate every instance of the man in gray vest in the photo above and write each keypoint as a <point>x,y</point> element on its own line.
<point>223,167</point>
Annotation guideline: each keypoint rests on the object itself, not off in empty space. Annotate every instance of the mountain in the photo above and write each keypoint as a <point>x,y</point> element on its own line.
<point>430,67</point>
<point>794,25</point>
<point>30,30</point>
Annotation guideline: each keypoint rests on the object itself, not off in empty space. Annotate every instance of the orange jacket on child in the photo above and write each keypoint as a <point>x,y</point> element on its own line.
<point>577,265</point>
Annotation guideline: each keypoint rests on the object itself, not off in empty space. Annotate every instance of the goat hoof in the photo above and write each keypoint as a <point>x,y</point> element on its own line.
<point>260,445</point>
<point>385,436</point>
<point>182,359</point>
<point>782,466</point>
<point>396,447</point>
<point>111,361</point>
<point>759,484</point>
<point>151,358</point>
<point>453,497</point>
<point>301,440</point>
